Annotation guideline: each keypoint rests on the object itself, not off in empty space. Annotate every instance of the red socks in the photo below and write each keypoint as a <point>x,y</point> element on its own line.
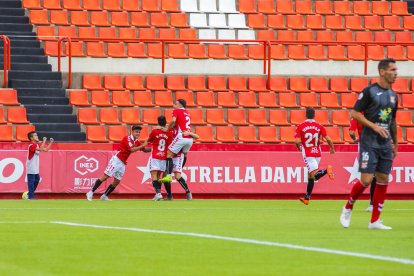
<point>378,201</point>
<point>356,191</point>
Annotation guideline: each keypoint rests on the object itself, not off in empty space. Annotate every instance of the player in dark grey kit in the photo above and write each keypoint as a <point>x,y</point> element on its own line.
<point>378,144</point>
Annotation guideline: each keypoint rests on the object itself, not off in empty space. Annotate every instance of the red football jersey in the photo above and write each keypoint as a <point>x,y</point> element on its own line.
<point>183,121</point>
<point>127,143</point>
<point>355,126</point>
<point>160,141</point>
<point>311,134</point>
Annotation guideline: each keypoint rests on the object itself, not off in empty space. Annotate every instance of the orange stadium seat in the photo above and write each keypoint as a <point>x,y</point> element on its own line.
<point>295,22</point>
<point>287,134</point>
<point>130,5</point>
<point>329,100</point>
<point>410,134</point>
<point>119,19</point>
<point>325,36</point>
<point>217,51</point>
<point>278,52</point>
<point>197,117</point>
<point>308,100</point>
<point>116,133</point>
<point>215,117</point>
<point>96,134</point>
<point>335,134</point>
<point>167,33</point>
<point>159,20</point>
<point>399,8</point>
<point>278,117</point>
<point>197,51</point>
<point>31,4</point>
<point>107,33</point>
<point>303,7</point>
<point>247,99</point>
<point>257,84</point>
<point>314,22</point>
<point>225,134</point>
<point>147,33</point>
<point>375,52</point>
<point>396,52</point>
<point>403,36</point>
<point>116,50</point>
<point>358,84</point>
<point>334,22</point>
<point>297,116</point>
<point>380,8</point>
<point>339,84</point>
<point>216,83</point>
<point>265,6</point>
<point>179,20</point>
<point>285,7</point>
<point>95,49</point>
<point>100,98</point>
<point>39,17</point>
<point>2,119</point>
<point>143,98</point>
<point>348,100</point>
<point>93,5</point>
<point>136,50</point>
<point>59,17</point>
<point>87,116</point>
<point>51,48</point>
<point>79,98</point>
<point>196,83</point>
<point>323,7</point>
<point>256,21</point>
<point>373,23</point>
<point>22,131</point>
<point>356,52</point>
<point>17,115</point>
<point>267,100</point>
<point>170,6</point>
<point>175,83</point>
<point>247,6</point>
<point>47,32</point>
<point>130,116</point>
<point>237,83</point>
<point>188,96</point>
<point>139,19</point>
<point>319,84</point>
<point>111,5</point>
<point>154,50</point>
<point>121,98</point>
<point>149,116</point>
<point>205,99</point>
<point>404,118</point>
<point>336,52</point>
<point>177,51</point>
<point>344,36</point>
<point>401,85</point>
<point>187,34</point>
<point>236,52</point>
<point>275,21</point>
<point>113,82</point>
<point>382,37</point>
<point>6,134</point>
<point>342,7</point>
<point>288,100</point>
<point>236,117</point>
<point>347,138</point>
<point>400,137</point>
<point>296,52</point>
<point>353,22</point>
<point>226,99</point>
<point>206,134</point>
<point>392,23</point>
<point>268,135</point>
<point>155,82</point>
<point>99,18</point>
<point>286,35</point>
<point>65,31</point>
<point>247,134</point>
<point>8,97</point>
<point>79,18</point>
<point>278,84</point>
<point>127,33</point>
<point>257,117</point>
<point>317,52</point>
<point>87,32</point>
<point>340,117</point>
<point>265,35</point>
<point>134,82</point>
<point>150,5</point>
<point>362,7</point>
<point>410,52</point>
<point>322,117</point>
<point>298,84</point>
<point>305,35</point>
<point>163,98</point>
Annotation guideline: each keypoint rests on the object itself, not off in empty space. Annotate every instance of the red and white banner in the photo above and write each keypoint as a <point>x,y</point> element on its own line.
<point>214,172</point>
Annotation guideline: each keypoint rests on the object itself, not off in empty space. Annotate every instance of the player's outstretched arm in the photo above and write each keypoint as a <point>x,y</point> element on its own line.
<point>353,137</point>
<point>330,143</point>
<point>43,146</point>
<point>394,138</point>
<point>298,144</point>
<point>365,122</point>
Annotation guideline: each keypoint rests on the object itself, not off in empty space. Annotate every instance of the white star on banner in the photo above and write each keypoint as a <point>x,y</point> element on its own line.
<point>146,173</point>
<point>354,173</point>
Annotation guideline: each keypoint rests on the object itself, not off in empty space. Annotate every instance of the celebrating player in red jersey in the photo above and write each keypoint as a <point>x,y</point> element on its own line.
<point>116,166</point>
<point>308,136</point>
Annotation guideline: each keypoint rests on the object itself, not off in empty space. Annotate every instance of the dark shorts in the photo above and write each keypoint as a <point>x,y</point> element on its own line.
<point>375,159</point>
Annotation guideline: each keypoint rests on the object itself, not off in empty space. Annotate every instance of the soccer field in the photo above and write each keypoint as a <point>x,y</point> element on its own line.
<point>202,237</point>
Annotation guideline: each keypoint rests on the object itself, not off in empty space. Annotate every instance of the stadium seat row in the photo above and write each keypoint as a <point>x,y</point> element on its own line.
<point>13,115</point>
<point>8,97</point>
<point>231,134</point>
<point>323,7</point>
<point>236,83</point>
<point>9,133</point>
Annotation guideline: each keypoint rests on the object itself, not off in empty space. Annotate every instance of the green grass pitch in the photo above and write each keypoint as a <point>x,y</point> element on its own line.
<point>31,245</point>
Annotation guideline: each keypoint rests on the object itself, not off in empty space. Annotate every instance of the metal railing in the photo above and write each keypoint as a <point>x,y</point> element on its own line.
<point>6,58</point>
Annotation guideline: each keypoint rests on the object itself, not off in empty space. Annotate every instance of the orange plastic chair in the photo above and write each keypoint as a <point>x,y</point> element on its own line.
<point>59,18</point>
<point>51,48</point>
<point>399,8</point>
<point>109,116</point>
<point>119,19</point>
<point>99,18</point>
<point>348,100</point>
<point>256,21</point>
<point>342,7</point>
<point>339,84</point>
<point>267,100</point>
<point>177,51</point>
<point>278,84</point>
<point>216,83</point>
<point>17,115</point>
<point>356,52</point>
<point>205,99</point>
<point>155,83</point>
<point>353,22</point>
<point>265,6</point>
<point>39,17</point>
<point>226,99</point>
<point>319,84</point>
<point>358,84</point>
<point>325,36</point>
<point>410,53</point>
<point>322,117</point>
<point>404,118</point>
<point>407,100</point>
<point>308,100</point>
<point>111,5</point>
<point>116,133</point>
<point>376,52</point>
<point>340,117</point>
<point>236,117</point>
<point>329,100</point>
<point>147,33</point>
<point>247,134</point>
<point>278,117</point>
<point>284,7</point>
<point>96,134</point>
<point>334,22</point>
<point>335,134</point>
<point>121,98</point>
<point>196,83</point>
<point>392,23</point>
<point>6,134</point>
<point>31,4</point>
<point>154,50</point>
<point>113,82</point>
<point>170,6</point>
<point>225,134</point>
<point>159,20</point>
<point>304,7</point>
<point>380,8</point>
<point>257,84</point>
<point>268,135</point>
<point>139,19</point>
<point>257,117</point>
<point>255,51</point>
<point>188,96</point>
<point>409,134</point>
<point>100,98</point>
<point>275,21</point>
<point>187,34</point>
<point>95,49</point>
<point>93,5</point>
<point>237,52</point>
<point>336,52</point>
<point>136,50</point>
<point>2,118</point>
<point>87,116</point>
<point>87,32</point>
<point>130,5</point>
<point>247,99</point>
<point>295,22</point>
<point>149,116</point>
<point>197,116</point>
<point>305,36</point>
<point>363,36</point>
<point>382,37</point>
<point>298,84</point>
<point>167,34</point>
<point>314,22</point>
<point>287,134</point>
<point>317,52</point>
<point>296,52</point>
<point>79,18</point>
<point>396,52</point>
<point>217,51</point>
<point>8,97</point>
<point>92,82</point>
<point>130,116</point>
<point>46,32</point>
<point>278,52</point>
<point>344,36</point>
<point>77,49</point>
<point>175,83</point>
<point>373,23</point>
<point>323,7</point>
<point>116,50</point>
<point>150,5</point>
<point>197,51</point>
<point>401,85</point>
<point>285,35</point>
<point>107,33</point>
<point>72,5</point>
<point>347,137</point>
<point>288,100</point>
<point>265,35</point>
<point>134,82</point>
<point>205,133</point>
<point>247,6</point>
<point>127,33</point>
<point>143,98</point>
<point>79,98</point>
<point>22,131</point>
<point>163,98</point>
<point>215,117</point>
<point>178,20</point>
<point>362,7</point>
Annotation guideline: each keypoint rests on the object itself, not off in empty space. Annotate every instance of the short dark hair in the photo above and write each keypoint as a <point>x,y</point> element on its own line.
<point>182,102</point>
<point>136,127</point>
<point>310,113</point>
<point>30,135</point>
<point>162,121</point>
<point>383,64</point>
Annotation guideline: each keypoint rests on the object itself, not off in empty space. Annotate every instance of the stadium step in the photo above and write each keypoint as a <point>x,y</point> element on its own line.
<point>14,19</point>
<point>16,27</point>
<point>49,109</point>
<point>60,127</point>
<point>35,75</point>
<point>19,35</point>
<point>42,92</point>
<point>25,51</point>
<point>55,118</point>
<point>12,11</point>
<point>21,83</point>
<point>23,43</point>
<point>27,100</point>
<point>10,4</point>
<point>64,136</point>
<point>26,59</point>
<point>29,66</point>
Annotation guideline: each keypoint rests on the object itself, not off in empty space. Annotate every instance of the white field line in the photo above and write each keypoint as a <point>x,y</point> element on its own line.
<point>243,240</point>
<point>23,222</point>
